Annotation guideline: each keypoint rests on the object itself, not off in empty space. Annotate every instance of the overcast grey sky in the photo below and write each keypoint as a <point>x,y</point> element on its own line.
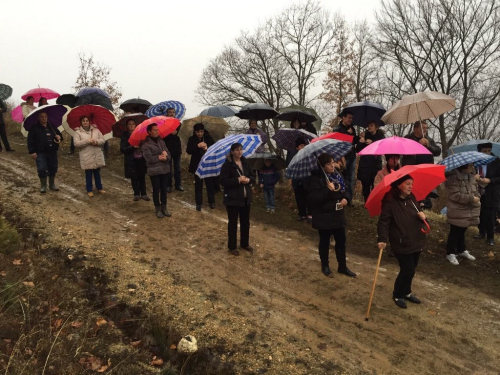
<point>157,49</point>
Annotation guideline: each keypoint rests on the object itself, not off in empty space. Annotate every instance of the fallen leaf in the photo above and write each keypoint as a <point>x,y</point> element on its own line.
<point>3,273</point>
<point>101,321</point>
<point>76,324</point>
<point>57,323</point>
<point>55,277</point>
<point>432,312</point>
<point>17,262</point>
<point>105,367</point>
<point>173,347</point>
<point>31,284</point>
<point>156,361</point>
<point>7,340</point>
<point>491,254</point>
<point>55,309</point>
<point>28,351</point>
<point>135,343</point>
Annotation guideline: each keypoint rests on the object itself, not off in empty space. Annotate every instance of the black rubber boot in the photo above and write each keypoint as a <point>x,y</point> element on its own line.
<point>159,214</point>
<point>164,210</point>
<point>52,185</point>
<point>43,185</point>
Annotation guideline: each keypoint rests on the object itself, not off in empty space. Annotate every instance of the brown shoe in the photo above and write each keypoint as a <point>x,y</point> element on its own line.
<point>234,252</point>
<point>248,248</point>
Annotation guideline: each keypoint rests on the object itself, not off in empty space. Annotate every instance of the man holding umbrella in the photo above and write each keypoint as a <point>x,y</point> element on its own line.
<point>345,127</point>
<point>173,143</point>
<point>420,134</point>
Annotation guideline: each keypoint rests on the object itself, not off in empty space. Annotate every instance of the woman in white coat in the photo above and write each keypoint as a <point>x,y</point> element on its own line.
<point>89,139</point>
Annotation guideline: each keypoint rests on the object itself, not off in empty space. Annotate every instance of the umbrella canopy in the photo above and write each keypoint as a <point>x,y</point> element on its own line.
<point>472,146</point>
<point>365,112</point>
<point>96,99</point>
<point>285,138</point>
<point>256,161</point>
<point>256,111</point>
<point>40,92</point>
<point>120,126</point>
<point>17,114</point>
<point>218,111</point>
<point>55,114</point>
<point>395,145</point>
<point>316,123</point>
<point>216,126</point>
<point>5,91</point>
<point>306,159</point>
<point>160,109</point>
<point>92,90</point>
<point>426,177</point>
<point>419,106</point>
<point>467,157</point>
<point>102,118</point>
<point>67,99</point>
<point>212,161</point>
<point>166,126</point>
<point>335,135</point>
<point>135,105</point>
<point>302,116</point>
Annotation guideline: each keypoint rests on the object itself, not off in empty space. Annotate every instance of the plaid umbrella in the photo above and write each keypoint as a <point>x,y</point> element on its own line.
<point>218,111</point>
<point>285,138</point>
<point>160,109</point>
<point>306,159</point>
<point>472,146</point>
<point>467,157</point>
<point>5,91</point>
<point>215,156</point>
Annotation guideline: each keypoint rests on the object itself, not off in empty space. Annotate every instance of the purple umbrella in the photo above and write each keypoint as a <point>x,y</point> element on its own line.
<point>55,113</point>
<point>285,138</point>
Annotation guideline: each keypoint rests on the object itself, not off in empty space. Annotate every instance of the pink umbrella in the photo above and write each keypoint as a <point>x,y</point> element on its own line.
<point>394,145</point>
<point>41,92</point>
<point>17,114</point>
<point>335,135</point>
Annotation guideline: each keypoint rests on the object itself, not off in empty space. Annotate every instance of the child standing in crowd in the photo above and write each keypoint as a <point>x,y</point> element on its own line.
<point>268,178</point>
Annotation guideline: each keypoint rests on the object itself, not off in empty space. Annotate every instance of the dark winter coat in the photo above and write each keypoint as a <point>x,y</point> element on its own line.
<point>3,107</point>
<point>133,167</point>
<point>341,128</point>
<point>196,152</point>
<point>269,176</point>
<point>41,139</point>
<point>234,192</point>
<point>369,165</point>
<point>310,128</point>
<point>173,143</point>
<point>399,224</point>
<point>421,159</point>
<point>462,210</point>
<point>322,203</point>
<point>151,150</point>
<point>491,196</point>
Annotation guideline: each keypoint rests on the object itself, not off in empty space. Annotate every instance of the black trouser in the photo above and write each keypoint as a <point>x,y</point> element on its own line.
<point>232,226</point>
<point>3,135</point>
<point>175,165</point>
<point>300,198</point>
<point>487,219</point>
<point>139,185</point>
<point>72,145</point>
<point>198,190</point>
<point>407,265</point>
<point>367,187</point>
<point>159,183</point>
<point>456,240</point>
<point>47,164</point>
<point>324,246</point>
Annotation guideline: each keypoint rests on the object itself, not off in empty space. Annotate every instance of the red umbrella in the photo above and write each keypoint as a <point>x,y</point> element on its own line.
<point>41,92</point>
<point>335,135</point>
<point>166,126</point>
<point>120,127</point>
<point>425,178</point>
<point>99,116</point>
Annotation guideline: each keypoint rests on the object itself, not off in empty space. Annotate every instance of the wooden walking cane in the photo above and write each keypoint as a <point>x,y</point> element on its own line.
<point>374,283</point>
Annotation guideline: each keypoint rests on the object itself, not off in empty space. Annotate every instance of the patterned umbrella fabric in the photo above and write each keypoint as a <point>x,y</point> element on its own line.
<point>166,126</point>
<point>219,111</point>
<point>365,112</point>
<point>306,159</point>
<point>135,105</point>
<point>92,90</point>
<point>395,145</point>
<point>100,116</point>
<point>256,111</point>
<point>212,161</point>
<point>120,126</point>
<point>316,123</point>
<point>467,157</point>
<point>472,146</point>
<point>160,109</point>
<point>17,114</point>
<point>5,91</point>
<point>216,126</point>
<point>55,114</point>
<point>40,92</point>
<point>285,138</point>
<point>419,106</point>
<point>335,135</point>
<point>256,161</point>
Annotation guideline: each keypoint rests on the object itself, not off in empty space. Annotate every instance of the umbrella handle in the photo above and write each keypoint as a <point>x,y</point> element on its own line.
<point>428,228</point>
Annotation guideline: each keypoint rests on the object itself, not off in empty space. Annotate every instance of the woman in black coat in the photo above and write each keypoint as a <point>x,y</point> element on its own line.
<point>237,178</point>
<point>197,145</point>
<point>369,165</point>
<point>326,195</point>
<point>135,165</point>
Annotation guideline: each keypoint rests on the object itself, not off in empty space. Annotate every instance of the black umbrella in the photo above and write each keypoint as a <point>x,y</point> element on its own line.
<point>67,99</point>
<point>256,161</point>
<point>135,105</point>
<point>256,111</point>
<point>365,112</point>
<point>302,116</point>
<point>96,99</point>
<point>120,126</point>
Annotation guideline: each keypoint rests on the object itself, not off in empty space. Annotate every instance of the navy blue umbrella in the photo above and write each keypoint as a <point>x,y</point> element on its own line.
<point>92,90</point>
<point>218,111</point>
<point>365,112</point>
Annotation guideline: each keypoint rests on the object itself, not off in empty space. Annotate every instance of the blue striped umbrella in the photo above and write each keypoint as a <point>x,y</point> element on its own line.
<point>215,156</point>
<point>306,159</point>
<point>218,111</point>
<point>160,109</point>
<point>468,157</point>
<point>285,138</point>
<point>472,146</point>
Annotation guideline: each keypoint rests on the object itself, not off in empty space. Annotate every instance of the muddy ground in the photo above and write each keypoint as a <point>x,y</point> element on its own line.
<point>272,311</point>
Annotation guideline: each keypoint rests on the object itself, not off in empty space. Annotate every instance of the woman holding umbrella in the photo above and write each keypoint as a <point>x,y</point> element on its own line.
<point>28,106</point>
<point>90,140</point>
<point>326,195</point>
<point>237,178</point>
<point>391,164</point>
<point>135,164</point>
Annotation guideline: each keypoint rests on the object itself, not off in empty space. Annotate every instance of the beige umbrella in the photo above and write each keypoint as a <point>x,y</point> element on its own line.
<point>419,106</point>
<point>216,126</point>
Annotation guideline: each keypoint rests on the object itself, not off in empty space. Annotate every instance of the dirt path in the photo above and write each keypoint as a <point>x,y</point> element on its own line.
<point>273,310</point>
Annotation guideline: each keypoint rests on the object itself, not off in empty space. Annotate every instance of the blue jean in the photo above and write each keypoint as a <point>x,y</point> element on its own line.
<point>269,195</point>
<point>97,178</point>
<point>350,178</point>
<point>175,166</point>
<point>46,164</point>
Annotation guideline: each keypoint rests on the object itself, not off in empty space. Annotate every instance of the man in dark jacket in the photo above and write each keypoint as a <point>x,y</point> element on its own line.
<point>420,134</point>
<point>173,143</point>
<point>489,188</point>
<point>43,143</point>
<point>345,127</point>
<point>3,134</point>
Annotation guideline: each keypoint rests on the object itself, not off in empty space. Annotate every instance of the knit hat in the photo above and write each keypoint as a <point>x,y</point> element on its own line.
<point>198,126</point>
